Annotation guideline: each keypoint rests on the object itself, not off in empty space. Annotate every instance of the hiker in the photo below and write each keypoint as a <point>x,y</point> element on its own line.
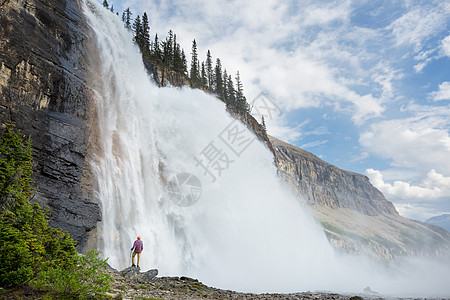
<point>138,246</point>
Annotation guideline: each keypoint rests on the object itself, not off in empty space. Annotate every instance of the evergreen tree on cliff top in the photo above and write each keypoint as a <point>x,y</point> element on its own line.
<point>138,32</point>
<point>241,101</point>
<point>156,48</point>
<point>145,34</point>
<point>217,79</point>
<point>209,70</point>
<point>126,17</point>
<point>194,72</point>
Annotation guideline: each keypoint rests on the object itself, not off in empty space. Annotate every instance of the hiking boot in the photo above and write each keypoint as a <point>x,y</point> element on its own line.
<point>133,265</point>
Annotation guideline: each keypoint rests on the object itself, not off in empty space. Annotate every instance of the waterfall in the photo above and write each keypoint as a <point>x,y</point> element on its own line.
<point>203,193</point>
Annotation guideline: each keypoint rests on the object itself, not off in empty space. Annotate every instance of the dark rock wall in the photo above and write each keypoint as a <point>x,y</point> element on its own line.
<point>323,184</point>
<point>43,91</point>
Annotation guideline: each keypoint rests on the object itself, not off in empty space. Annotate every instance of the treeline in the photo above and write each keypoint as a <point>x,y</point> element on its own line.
<point>208,74</point>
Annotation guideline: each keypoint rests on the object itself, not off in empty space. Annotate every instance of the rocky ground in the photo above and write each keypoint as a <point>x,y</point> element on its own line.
<point>132,284</point>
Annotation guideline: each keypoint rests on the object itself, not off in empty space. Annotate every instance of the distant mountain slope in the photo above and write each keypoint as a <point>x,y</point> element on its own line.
<point>355,215</point>
<point>326,185</point>
<point>442,221</point>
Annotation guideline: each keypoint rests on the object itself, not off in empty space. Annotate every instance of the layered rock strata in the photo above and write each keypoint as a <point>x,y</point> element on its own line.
<point>43,92</point>
<point>354,214</point>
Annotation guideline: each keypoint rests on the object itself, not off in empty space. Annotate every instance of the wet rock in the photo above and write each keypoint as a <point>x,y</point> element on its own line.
<point>44,93</point>
<point>150,274</point>
<point>130,272</point>
<point>134,274</point>
<point>184,278</point>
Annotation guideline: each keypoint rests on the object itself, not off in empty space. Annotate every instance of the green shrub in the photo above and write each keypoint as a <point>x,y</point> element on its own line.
<point>28,244</point>
<point>85,277</point>
<point>30,250</point>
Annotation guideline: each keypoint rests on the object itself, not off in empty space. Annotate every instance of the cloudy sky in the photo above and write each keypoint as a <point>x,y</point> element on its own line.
<point>364,85</point>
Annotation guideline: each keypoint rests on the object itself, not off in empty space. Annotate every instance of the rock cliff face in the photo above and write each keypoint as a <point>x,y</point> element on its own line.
<point>355,216</point>
<point>43,92</point>
<point>164,76</point>
<point>326,185</point>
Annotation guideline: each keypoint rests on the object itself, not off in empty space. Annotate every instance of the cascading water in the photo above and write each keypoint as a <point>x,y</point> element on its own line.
<point>245,232</point>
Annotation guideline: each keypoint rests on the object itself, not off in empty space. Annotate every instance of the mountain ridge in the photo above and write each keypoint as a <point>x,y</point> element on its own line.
<point>308,175</point>
<point>442,221</point>
<point>355,215</point>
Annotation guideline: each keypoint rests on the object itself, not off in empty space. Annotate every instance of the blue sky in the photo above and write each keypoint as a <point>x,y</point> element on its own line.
<point>364,85</point>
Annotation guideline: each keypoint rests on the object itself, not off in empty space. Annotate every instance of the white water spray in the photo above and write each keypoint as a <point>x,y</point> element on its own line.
<point>246,232</point>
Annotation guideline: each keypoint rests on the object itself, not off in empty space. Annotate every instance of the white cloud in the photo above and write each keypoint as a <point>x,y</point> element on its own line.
<point>279,129</point>
<point>320,15</point>
<point>421,142</point>
<point>284,133</point>
<point>293,52</point>
<point>360,157</point>
<point>426,57</point>
<point>367,107</point>
<point>433,187</point>
<point>416,211</point>
<point>443,93</point>
<point>417,25</point>
<point>420,66</point>
<point>445,46</point>
<point>321,130</point>
<point>313,144</point>
<point>419,201</point>
<point>385,75</point>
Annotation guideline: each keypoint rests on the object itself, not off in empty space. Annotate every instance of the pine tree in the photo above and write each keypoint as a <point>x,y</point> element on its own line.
<point>218,84</point>
<point>225,86</point>
<point>145,35</point>
<point>15,168</point>
<point>165,53</point>
<point>184,62</point>
<point>105,4</point>
<point>112,8</point>
<point>177,58</point>
<point>241,102</point>
<point>169,49</point>
<point>209,70</point>
<point>204,79</point>
<point>126,17</point>
<point>138,32</point>
<point>231,92</point>
<point>263,123</point>
<point>156,48</point>
<point>194,72</point>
